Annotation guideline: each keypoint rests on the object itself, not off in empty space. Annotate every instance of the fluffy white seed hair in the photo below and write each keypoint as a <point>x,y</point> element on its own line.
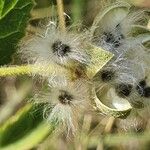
<point>64,104</point>
<point>112,28</point>
<point>55,46</point>
<point>125,75</point>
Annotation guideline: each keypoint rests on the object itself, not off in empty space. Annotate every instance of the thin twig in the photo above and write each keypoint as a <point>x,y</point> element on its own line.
<point>60,9</point>
<point>109,125</point>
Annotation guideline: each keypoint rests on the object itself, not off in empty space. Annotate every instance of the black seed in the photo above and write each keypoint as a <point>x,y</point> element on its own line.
<point>60,49</point>
<point>142,83</point>
<point>123,90</point>
<point>146,92</point>
<point>116,44</point>
<point>65,97</point>
<point>110,38</point>
<point>143,90</point>
<point>118,26</point>
<point>107,75</point>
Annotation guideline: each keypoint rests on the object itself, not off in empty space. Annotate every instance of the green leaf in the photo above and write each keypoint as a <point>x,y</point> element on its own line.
<point>25,129</point>
<point>1,6</point>
<point>14,15</point>
<point>7,6</point>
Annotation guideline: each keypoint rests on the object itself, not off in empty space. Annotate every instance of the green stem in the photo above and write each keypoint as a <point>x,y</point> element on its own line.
<point>116,139</point>
<point>78,6</point>
<point>31,69</point>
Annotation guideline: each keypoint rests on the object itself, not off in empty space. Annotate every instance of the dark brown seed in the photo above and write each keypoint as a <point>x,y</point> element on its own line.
<point>123,90</point>
<point>60,49</point>
<point>65,97</point>
<point>143,90</point>
<point>146,92</point>
<point>142,83</point>
<point>110,38</point>
<point>107,75</point>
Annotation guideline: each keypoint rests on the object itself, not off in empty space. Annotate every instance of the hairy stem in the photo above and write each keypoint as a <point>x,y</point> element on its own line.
<point>31,69</point>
